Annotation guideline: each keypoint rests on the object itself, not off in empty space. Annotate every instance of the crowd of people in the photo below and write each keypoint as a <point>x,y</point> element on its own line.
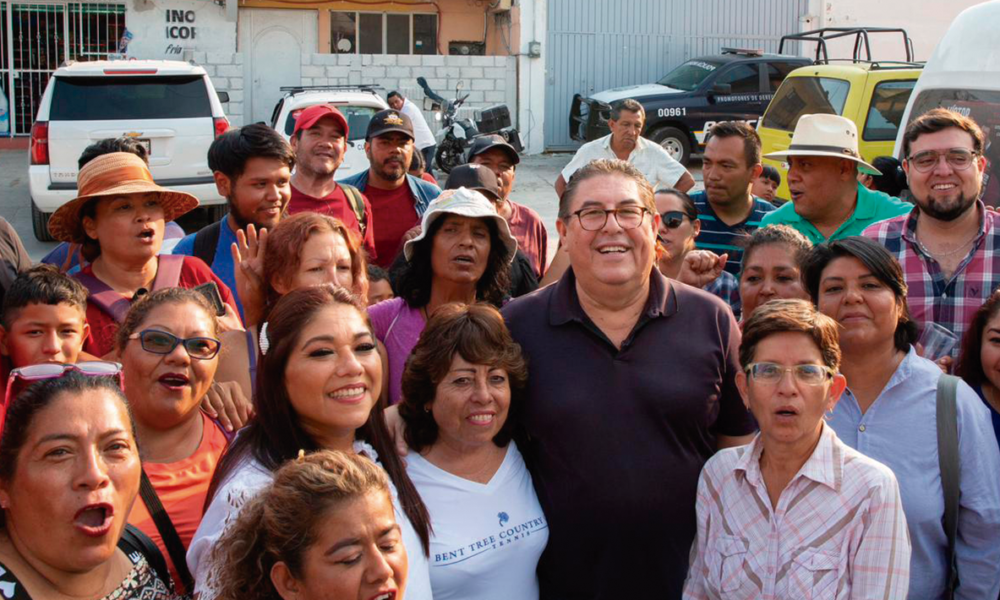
<point>381,389</point>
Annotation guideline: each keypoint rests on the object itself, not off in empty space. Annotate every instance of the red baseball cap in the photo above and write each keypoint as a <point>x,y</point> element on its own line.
<point>310,116</point>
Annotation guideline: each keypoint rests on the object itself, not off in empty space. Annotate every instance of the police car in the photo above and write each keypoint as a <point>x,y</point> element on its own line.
<point>683,106</point>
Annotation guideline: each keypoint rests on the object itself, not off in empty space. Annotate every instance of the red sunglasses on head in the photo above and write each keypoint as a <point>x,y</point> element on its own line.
<point>34,373</point>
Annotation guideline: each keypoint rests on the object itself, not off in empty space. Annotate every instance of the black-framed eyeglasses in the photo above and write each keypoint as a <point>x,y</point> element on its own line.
<point>959,159</point>
<point>161,342</point>
<point>627,217</point>
<point>672,219</point>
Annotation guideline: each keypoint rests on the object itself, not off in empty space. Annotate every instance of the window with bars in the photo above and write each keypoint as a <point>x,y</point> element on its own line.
<point>383,33</point>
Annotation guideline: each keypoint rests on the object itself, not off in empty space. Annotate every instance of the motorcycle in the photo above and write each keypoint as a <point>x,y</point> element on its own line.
<point>456,135</point>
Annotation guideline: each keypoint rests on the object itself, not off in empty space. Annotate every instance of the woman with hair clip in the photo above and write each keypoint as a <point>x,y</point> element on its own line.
<point>279,547</point>
<point>318,386</point>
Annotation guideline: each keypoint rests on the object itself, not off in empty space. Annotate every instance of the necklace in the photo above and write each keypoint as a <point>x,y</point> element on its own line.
<point>924,249</point>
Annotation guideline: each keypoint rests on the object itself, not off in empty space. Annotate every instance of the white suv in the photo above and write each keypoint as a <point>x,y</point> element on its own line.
<point>169,106</point>
<point>358,103</point>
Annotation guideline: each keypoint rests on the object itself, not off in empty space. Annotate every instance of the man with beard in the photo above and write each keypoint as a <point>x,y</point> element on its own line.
<point>949,246</point>
<point>398,199</point>
<point>828,203</point>
<point>252,167</point>
<point>625,142</point>
<point>728,212</point>
<point>319,142</point>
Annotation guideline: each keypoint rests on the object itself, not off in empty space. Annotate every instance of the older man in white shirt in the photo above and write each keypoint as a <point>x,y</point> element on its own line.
<point>423,137</point>
<point>625,142</point>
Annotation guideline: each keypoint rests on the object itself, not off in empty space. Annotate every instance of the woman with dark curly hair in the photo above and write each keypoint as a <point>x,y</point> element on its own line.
<point>462,254</point>
<point>461,389</point>
<point>279,547</point>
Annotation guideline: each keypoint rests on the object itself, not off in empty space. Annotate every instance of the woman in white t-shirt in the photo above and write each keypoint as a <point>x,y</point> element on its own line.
<point>460,386</point>
<point>317,389</point>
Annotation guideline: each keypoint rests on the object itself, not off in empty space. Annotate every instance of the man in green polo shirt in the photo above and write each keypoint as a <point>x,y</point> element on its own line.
<point>828,203</point>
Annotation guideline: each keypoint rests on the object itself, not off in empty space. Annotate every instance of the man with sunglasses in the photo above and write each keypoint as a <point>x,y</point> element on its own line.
<point>949,246</point>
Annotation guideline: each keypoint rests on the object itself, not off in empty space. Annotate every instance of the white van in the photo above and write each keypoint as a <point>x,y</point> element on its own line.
<point>963,74</point>
<point>169,106</point>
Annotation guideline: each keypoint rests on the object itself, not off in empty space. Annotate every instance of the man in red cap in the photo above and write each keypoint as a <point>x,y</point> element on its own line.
<point>320,141</point>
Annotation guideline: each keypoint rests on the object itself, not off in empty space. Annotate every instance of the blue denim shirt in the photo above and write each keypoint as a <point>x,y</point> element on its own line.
<point>899,430</point>
<point>423,191</point>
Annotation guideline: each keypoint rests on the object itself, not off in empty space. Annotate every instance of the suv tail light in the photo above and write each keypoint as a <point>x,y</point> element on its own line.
<point>221,125</point>
<point>40,143</point>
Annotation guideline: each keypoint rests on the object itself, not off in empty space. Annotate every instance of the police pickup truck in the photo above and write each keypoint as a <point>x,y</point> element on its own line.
<point>683,106</point>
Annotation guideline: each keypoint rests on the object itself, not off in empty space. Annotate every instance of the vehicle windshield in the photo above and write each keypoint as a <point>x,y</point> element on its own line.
<point>799,96</point>
<point>129,97</point>
<point>357,119</point>
<point>689,76</point>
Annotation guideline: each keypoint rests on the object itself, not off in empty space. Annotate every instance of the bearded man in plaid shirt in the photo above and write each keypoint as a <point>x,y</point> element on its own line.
<point>948,246</point>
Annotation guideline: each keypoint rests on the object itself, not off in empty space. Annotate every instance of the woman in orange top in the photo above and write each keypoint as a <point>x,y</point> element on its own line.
<point>169,350</point>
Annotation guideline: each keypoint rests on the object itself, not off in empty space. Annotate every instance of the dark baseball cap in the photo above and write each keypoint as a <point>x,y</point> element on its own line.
<point>310,116</point>
<point>488,142</point>
<point>387,121</point>
<point>474,177</point>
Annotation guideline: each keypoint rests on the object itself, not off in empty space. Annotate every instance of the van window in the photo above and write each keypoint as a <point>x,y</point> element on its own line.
<point>886,110</point>
<point>357,120</point>
<point>983,106</point>
<point>120,98</point>
<point>799,96</point>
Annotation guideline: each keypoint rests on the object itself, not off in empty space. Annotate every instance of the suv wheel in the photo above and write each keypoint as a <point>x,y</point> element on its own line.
<point>40,224</point>
<point>675,142</point>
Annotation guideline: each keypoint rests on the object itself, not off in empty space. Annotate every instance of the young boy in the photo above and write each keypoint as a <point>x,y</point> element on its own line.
<point>379,288</point>
<point>44,318</point>
<point>766,184</point>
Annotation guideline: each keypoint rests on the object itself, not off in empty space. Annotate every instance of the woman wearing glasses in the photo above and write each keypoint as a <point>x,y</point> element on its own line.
<point>169,350</point>
<point>69,472</point>
<point>796,513</point>
<point>889,413</point>
<point>679,226</point>
<point>462,254</point>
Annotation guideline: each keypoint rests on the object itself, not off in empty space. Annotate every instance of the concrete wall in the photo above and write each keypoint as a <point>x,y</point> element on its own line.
<point>173,29</point>
<point>226,71</point>
<point>488,80</point>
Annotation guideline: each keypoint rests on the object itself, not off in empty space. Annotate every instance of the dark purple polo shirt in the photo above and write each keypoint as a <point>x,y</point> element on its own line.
<point>616,439</point>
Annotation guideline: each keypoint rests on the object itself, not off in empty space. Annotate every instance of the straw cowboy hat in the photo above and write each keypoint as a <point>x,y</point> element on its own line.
<point>826,135</point>
<point>113,174</point>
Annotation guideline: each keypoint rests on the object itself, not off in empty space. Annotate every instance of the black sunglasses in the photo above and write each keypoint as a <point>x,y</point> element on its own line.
<point>672,219</point>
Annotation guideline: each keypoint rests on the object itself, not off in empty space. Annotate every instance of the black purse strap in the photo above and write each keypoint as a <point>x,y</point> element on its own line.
<point>948,459</point>
<point>175,547</point>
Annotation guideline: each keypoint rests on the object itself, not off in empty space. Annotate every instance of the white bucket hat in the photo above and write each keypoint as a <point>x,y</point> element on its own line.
<point>826,135</point>
<point>467,203</point>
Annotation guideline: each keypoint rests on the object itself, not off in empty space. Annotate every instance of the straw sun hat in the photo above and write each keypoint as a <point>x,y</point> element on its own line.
<point>826,135</point>
<point>114,174</point>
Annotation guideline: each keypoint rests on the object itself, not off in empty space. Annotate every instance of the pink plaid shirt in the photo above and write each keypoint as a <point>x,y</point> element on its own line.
<point>953,302</point>
<point>838,531</point>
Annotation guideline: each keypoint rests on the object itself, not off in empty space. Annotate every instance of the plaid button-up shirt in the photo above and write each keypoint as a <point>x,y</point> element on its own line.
<point>932,298</point>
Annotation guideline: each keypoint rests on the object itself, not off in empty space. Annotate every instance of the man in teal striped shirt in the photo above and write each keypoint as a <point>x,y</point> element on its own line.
<point>727,210</point>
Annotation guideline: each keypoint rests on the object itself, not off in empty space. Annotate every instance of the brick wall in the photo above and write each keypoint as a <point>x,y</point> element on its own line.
<point>226,71</point>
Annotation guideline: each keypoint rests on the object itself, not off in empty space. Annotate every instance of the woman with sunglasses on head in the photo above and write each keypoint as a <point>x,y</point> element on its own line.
<point>318,387</point>
<point>69,474</point>
<point>796,513</point>
<point>889,413</point>
<point>679,226</point>
<point>169,349</point>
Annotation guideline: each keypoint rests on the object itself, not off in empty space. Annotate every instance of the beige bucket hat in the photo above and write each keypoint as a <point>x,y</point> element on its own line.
<point>826,135</point>
<point>114,174</point>
<point>467,203</point>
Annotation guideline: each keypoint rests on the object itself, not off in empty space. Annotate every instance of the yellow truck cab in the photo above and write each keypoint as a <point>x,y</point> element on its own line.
<point>872,94</point>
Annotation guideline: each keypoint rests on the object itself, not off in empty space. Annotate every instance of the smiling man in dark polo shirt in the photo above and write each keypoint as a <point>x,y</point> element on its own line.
<point>631,389</point>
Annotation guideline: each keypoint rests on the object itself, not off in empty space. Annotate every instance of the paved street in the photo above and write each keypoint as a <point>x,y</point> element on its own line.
<point>535,177</point>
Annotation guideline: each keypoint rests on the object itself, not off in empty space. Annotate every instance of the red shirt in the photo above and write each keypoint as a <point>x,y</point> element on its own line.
<point>339,207</point>
<point>395,212</point>
<point>429,178</point>
<point>103,327</point>
<point>529,231</point>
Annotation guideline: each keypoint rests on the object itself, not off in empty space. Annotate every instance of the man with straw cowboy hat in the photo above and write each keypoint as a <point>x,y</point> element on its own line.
<point>828,203</point>
<point>119,218</point>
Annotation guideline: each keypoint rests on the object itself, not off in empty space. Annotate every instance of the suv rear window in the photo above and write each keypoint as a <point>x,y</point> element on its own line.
<point>120,98</point>
<point>889,100</point>
<point>357,120</point>
<point>799,96</point>
<point>689,76</point>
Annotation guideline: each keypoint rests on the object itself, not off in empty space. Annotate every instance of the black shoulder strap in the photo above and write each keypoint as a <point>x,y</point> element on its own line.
<point>134,540</point>
<point>175,547</point>
<point>357,205</point>
<point>948,459</point>
<point>206,240</point>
